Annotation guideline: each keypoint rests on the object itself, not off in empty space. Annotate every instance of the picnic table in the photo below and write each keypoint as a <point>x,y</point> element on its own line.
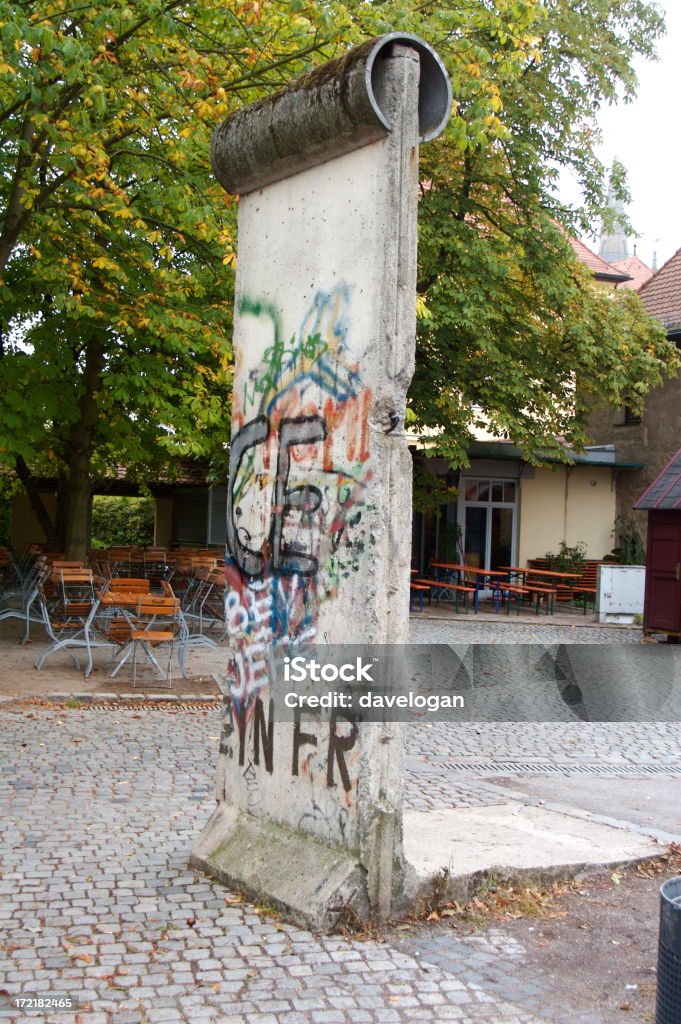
<point>543,581</point>
<point>482,578</point>
<point>524,571</point>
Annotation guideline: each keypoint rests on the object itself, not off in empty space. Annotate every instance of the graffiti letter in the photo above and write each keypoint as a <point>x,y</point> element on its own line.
<point>267,734</point>
<point>300,739</point>
<point>338,746</point>
<point>305,499</point>
<point>254,433</point>
<point>240,715</point>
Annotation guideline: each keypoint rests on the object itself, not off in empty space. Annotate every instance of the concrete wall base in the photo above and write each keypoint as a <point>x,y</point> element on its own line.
<point>310,882</point>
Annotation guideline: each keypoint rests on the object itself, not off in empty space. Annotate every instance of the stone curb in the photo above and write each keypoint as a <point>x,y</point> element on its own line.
<point>123,698</point>
<point>464,887</point>
<point>544,622</point>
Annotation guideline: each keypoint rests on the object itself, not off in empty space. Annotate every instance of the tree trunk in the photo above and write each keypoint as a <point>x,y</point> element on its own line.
<point>62,513</point>
<point>78,524</point>
<point>80,446</point>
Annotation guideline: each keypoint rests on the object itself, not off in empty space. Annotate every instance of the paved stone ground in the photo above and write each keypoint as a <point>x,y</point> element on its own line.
<point>438,753</point>
<point>99,810</point>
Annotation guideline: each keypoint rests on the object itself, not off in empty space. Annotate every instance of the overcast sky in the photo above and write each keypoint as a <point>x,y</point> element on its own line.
<point>644,136</point>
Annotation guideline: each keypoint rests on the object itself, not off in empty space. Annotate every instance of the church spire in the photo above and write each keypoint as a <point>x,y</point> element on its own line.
<point>613,245</point>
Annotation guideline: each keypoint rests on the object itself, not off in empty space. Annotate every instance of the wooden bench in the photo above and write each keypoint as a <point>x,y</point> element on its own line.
<point>456,588</point>
<point>548,593</point>
<point>583,588</point>
<point>420,589</point>
<point>517,591</point>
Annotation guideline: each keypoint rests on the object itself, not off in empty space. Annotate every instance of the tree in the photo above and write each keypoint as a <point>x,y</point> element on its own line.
<point>116,247</point>
<point>514,335</point>
<point>115,244</point>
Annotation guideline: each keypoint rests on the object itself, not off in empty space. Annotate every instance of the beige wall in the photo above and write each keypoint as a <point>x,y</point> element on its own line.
<point>25,526</point>
<point>26,529</point>
<point>575,503</point>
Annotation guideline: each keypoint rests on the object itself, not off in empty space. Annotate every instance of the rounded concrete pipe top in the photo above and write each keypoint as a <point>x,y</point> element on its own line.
<point>326,113</point>
<point>435,91</point>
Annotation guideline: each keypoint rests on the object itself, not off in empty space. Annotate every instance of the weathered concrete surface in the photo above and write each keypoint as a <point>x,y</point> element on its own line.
<point>650,806</point>
<point>513,838</point>
<point>333,110</point>
<point>319,505</point>
<point>312,882</point>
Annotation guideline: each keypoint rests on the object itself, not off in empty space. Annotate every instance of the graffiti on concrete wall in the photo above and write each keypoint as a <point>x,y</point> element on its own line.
<point>297,482</point>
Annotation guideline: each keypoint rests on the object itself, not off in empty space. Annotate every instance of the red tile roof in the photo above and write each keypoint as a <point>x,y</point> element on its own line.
<point>599,267</point>
<point>665,490</point>
<point>636,269</point>
<point>661,295</point>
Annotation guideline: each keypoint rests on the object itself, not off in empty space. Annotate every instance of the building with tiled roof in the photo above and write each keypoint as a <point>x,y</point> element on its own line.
<point>661,295</point>
<point>652,439</point>
<point>665,490</point>
<point>601,270</point>
<point>637,271</point>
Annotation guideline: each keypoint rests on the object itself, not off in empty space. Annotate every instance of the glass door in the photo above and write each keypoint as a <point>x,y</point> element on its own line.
<point>488,514</point>
<point>501,537</point>
<point>475,537</point>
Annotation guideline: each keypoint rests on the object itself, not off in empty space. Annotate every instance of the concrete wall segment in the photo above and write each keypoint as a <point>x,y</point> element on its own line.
<point>319,497</point>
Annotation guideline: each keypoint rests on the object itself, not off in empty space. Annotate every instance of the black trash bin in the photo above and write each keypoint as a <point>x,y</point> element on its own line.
<point>668,1005</point>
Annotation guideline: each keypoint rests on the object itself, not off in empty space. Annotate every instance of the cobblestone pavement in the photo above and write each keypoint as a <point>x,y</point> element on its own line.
<point>99,811</point>
<point>442,757</point>
<point>495,962</point>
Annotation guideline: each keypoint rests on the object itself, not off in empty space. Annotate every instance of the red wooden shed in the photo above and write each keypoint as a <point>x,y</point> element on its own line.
<point>662,608</point>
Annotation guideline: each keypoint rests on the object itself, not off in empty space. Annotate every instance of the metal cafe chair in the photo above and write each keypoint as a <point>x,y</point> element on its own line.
<point>21,603</point>
<point>158,626</point>
<point>67,598</point>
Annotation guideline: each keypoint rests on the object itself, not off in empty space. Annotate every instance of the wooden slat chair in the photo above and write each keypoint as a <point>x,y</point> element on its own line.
<point>179,570</point>
<point>119,561</point>
<point>158,625</point>
<point>10,572</point>
<point>77,590</point>
<point>203,606</point>
<point>98,560</point>
<point>29,556</point>
<point>199,586</point>
<point>200,568</point>
<point>217,610</point>
<point>212,609</point>
<point>155,565</point>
